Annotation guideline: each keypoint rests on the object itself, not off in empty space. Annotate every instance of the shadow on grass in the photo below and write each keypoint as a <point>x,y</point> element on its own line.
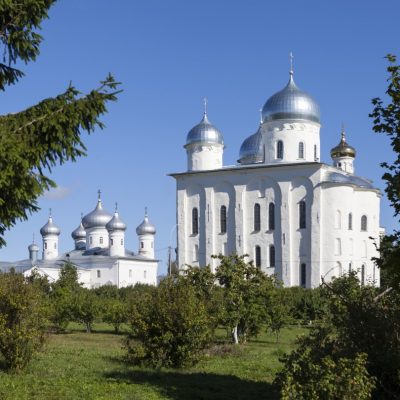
<point>197,386</point>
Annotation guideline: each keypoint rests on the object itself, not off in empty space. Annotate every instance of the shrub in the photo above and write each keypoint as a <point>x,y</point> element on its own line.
<point>170,326</point>
<point>22,320</point>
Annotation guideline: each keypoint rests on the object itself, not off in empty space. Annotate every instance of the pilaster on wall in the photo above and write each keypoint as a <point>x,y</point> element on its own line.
<point>239,219</point>
<point>286,236</point>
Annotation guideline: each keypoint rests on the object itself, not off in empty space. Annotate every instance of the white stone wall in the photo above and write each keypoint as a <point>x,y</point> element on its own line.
<point>97,237</point>
<point>117,243</point>
<point>131,273</point>
<point>204,156</point>
<point>50,247</point>
<point>286,186</point>
<point>146,245</point>
<point>291,133</point>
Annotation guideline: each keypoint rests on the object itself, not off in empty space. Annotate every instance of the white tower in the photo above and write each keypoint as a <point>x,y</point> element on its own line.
<point>146,232</point>
<point>116,231</point>
<point>291,126</point>
<point>204,145</point>
<point>79,236</point>
<point>95,226</point>
<point>343,155</point>
<point>33,251</point>
<point>50,233</point>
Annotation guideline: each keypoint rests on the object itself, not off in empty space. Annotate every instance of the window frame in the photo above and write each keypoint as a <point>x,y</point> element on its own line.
<point>279,149</point>
<point>257,217</point>
<point>222,219</point>
<point>302,215</point>
<point>257,256</point>
<point>195,221</point>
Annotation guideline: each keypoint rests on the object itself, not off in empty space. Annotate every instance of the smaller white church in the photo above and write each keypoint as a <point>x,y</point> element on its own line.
<point>99,254</point>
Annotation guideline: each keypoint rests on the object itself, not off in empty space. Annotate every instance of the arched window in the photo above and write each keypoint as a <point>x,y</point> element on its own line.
<point>222,218</point>
<point>339,268</point>
<point>338,219</point>
<point>301,150</point>
<point>363,274</point>
<point>45,245</point>
<point>257,217</point>
<point>279,149</point>
<point>315,153</point>
<point>258,256</point>
<point>350,222</point>
<point>303,275</point>
<point>302,214</point>
<point>364,223</point>
<point>196,253</point>
<point>272,256</point>
<point>271,216</point>
<point>195,221</point>
<point>338,247</point>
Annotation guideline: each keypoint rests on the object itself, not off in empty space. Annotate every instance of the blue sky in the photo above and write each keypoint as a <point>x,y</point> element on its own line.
<point>169,54</point>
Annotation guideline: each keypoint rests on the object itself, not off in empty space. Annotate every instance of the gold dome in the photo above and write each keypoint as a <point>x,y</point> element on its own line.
<point>343,149</point>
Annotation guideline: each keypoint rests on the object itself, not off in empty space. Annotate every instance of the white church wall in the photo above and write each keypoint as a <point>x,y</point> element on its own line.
<point>131,273</point>
<point>97,237</point>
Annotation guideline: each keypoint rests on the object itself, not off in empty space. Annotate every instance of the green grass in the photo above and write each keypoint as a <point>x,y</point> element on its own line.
<point>77,365</point>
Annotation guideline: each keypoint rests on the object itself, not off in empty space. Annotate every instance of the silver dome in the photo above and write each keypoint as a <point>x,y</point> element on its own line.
<point>251,150</point>
<point>146,227</point>
<point>50,228</point>
<point>116,223</point>
<point>98,218</point>
<point>33,247</point>
<point>79,233</point>
<point>204,132</point>
<point>291,103</point>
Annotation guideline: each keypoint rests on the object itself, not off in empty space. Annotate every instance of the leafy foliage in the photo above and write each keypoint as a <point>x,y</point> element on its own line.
<point>246,296</point>
<point>170,327</point>
<point>22,320</point>
<point>37,139</point>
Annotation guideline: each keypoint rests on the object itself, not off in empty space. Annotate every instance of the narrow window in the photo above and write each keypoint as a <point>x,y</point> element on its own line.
<point>196,253</point>
<point>301,150</point>
<point>351,246</point>
<point>222,218</point>
<point>363,274</point>
<point>339,268</point>
<point>303,275</point>
<point>349,267</point>
<point>271,216</point>
<point>364,223</point>
<point>98,273</point>
<point>272,256</point>
<point>152,245</point>
<point>55,246</point>
<point>141,245</point>
<point>338,247</point>
<point>338,219</point>
<point>350,222</point>
<point>122,242</point>
<point>258,256</point>
<point>145,274</point>
<point>45,245</point>
<point>279,149</point>
<point>130,273</point>
<point>315,153</point>
<point>91,239</point>
<point>302,214</point>
<point>101,240</point>
<point>257,217</point>
<point>195,221</point>
<point>112,242</point>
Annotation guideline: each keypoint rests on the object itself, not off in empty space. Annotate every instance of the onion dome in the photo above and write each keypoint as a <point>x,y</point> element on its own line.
<point>79,233</point>
<point>291,103</point>
<point>98,218</point>
<point>116,223</point>
<point>343,149</point>
<point>146,228</point>
<point>251,150</point>
<point>50,228</point>
<point>204,132</point>
<point>33,247</point>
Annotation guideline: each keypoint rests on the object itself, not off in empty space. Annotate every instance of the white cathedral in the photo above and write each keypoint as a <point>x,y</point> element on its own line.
<point>295,216</point>
<point>99,254</point>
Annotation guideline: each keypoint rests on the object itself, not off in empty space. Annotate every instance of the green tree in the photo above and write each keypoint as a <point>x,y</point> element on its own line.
<point>170,327</point>
<point>246,296</point>
<point>22,320</point>
<point>47,134</point>
<point>114,312</point>
<point>386,119</point>
<point>85,308</point>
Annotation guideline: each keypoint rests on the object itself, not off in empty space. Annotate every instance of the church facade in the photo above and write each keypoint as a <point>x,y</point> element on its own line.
<point>99,252</point>
<point>295,216</point>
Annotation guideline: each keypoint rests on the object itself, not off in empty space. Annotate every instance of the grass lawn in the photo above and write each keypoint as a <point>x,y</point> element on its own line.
<point>78,365</point>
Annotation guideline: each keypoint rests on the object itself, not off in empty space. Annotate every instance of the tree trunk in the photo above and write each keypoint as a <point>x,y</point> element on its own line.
<point>88,327</point>
<point>235,335</point>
